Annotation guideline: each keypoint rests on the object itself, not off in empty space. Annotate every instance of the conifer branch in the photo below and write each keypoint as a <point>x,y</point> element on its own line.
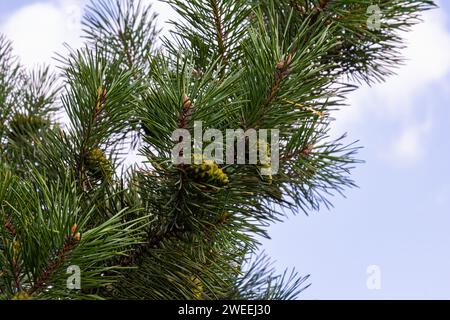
<point>43,279</point>
<point>180,231</point>
<point>281,72</point>
<point>221,36</point>
<point>186,113</point>
<point>10,227</point>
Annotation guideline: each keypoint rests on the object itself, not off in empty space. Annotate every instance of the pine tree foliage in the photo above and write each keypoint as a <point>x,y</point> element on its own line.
<point>160,230</point>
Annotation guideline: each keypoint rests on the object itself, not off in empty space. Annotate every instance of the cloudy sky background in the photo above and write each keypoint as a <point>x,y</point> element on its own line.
<point>398,219</point>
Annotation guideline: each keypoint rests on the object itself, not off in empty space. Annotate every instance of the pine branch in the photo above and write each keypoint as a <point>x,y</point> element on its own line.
<point>282,71</point>
<point>219,32</point>
<point>10,227</point>
<point>179,231</point>
<point>319,7</point>
<point>214,29</point>
<point>125,30</point>
<point>47,273</point>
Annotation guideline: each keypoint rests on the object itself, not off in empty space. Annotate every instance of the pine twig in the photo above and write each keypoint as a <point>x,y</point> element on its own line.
<point>43,279</point>
<point>220,33</point>
<point>10,227</point>
<point>281,72</point>
<point>98,108</point>
<point>186,113</point>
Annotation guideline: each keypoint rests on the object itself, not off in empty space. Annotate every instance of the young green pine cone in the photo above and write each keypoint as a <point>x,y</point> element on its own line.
<point>197,287</point>
<point>262,144</point>
<point>98,165</point>
<point>266,163</point>
<point>21,296</point>
<point>208,172</point>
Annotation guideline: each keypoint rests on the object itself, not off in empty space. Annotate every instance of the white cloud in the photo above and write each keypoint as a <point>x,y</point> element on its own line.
<point>427,63</point>
<point>165,14</point>
<point>40,29</point>
<point>410,146</point>
<point>395,101</point>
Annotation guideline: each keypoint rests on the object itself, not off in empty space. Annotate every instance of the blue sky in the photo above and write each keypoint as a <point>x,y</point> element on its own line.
<point>398,219</point>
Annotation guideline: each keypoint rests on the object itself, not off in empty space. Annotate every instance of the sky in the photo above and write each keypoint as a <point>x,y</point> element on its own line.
<point>389,238</point>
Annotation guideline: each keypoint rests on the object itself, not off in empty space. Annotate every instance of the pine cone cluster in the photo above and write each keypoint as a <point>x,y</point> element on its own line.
<point>98,165</point>
<point>208,172</point>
